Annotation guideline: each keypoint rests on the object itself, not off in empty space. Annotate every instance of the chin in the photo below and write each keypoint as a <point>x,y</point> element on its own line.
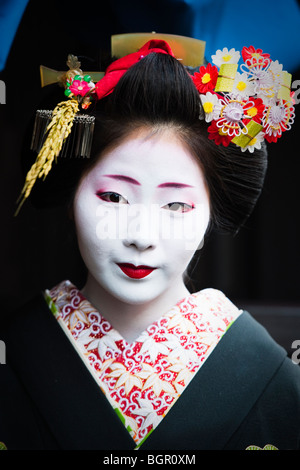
<point>136,293</point>
<point>139,298</point>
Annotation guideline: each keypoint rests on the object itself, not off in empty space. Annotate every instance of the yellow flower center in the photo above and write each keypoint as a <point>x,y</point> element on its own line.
<point>226,57</point>
<point>241,86</point>
<point>208,107</point>
<point>206,78</point>
<point>221,132</point>
<point>256,55</point>
<point>252,111</point>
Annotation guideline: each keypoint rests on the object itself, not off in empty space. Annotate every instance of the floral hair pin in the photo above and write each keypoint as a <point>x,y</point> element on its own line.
<point>248,106</point>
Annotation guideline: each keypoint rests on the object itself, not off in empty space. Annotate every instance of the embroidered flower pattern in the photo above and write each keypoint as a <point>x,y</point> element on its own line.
<point>143,380</point>
<point>248,106</point>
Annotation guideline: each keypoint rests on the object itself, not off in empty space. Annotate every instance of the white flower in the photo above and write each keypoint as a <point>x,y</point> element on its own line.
<point>158,385</point>
<point>232,115</point>
<point>84,338</point>
<point>242,86</point>
<point>153,348</point>
<point>277,118</point>
<point>107,342</point>
<point>266,87</point>
<point>266,79</point>
<point>211,106</point>
<point>254,143</point>
<point>182,323</point>
<point>225,56</point>
<point>146,409</point>
<point>185,375</point>
<point>124,377</point>
<point>75,317</point>
<point>276,69</point>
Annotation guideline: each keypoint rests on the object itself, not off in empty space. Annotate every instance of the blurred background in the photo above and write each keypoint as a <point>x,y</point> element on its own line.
<point>258,269</point>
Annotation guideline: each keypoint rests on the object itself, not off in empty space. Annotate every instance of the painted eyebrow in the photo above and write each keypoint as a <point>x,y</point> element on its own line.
<point>175,185</point>
<point>123,178</point>
<point>163,185</point>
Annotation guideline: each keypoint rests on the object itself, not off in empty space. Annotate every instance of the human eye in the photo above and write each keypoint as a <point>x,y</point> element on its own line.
<point>180,207</point>
<point>110,196</point>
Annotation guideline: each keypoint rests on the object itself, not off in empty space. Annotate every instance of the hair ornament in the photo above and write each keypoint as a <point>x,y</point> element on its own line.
<point>248,106</point>
<point>52,128</point>
<point>245,106</point>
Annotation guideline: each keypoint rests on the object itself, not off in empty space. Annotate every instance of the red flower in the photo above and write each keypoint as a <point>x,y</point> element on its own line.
<point>215,133</point>
<point>79,87</point>
<point>256,112</point>
<point>256,56</point>
<point>272,138</point>
<point>205,80</point>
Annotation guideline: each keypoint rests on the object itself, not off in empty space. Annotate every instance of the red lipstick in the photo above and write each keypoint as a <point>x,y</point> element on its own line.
<point>135,272</point>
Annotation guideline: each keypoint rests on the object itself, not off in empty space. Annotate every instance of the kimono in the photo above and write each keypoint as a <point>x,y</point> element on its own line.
<point>204,376</point>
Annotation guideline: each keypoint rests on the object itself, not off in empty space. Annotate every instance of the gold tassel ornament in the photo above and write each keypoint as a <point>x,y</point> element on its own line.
<point>58,130</point>
<point>49,137</point>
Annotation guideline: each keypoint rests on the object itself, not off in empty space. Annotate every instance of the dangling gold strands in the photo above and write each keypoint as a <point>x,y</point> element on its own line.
<point>59,129</point>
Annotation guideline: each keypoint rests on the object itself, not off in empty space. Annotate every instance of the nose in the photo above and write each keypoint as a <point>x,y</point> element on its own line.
<point>139,244</point>
<point>142,230</point>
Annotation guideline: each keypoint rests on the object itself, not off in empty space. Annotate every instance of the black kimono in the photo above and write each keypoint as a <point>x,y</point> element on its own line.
<point>246,393</point>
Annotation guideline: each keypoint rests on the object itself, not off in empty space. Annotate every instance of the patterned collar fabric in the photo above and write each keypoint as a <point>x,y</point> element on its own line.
<point>142,380</point>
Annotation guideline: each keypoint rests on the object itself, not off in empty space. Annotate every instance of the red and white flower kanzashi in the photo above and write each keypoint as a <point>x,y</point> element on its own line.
<point>258,95</point>
<point>277,119</point>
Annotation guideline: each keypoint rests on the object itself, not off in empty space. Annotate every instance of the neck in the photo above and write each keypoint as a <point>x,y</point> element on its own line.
<point>130,320</point>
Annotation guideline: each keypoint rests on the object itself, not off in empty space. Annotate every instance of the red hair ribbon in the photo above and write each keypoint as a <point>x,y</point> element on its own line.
<point>116,70</point>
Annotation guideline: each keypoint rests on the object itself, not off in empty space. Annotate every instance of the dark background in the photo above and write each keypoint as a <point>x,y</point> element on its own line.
<point>257,269</point>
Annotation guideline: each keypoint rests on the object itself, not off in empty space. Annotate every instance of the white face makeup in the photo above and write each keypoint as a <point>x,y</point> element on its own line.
<point>140,214</point>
